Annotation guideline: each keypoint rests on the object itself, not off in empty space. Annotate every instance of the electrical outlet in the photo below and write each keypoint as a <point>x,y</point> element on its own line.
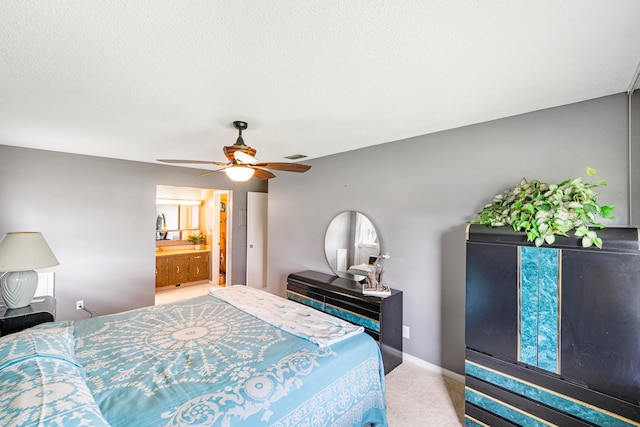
<point>79,305</point>
<point>406,333</point>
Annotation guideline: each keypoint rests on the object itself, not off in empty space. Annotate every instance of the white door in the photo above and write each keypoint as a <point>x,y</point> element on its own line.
<point>256,239</point>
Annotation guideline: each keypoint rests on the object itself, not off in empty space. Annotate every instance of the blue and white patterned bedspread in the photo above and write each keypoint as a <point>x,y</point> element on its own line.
<point>42,383</point>
<point>204,362</point>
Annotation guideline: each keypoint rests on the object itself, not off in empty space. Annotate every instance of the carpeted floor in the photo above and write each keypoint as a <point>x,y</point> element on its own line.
<point>417,397</point>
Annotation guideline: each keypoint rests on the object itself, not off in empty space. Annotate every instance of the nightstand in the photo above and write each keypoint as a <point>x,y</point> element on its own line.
<point>41,310</point>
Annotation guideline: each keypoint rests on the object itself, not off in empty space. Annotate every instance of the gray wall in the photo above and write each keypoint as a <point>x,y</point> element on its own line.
<point>98,216</point>
<point>420,192</point>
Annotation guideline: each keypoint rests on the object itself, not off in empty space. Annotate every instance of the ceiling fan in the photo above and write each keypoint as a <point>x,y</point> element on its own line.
<point>242,165</point>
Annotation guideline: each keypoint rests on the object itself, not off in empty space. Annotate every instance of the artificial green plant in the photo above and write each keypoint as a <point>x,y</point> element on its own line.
<point>544,211</point>
<point>197,239</point>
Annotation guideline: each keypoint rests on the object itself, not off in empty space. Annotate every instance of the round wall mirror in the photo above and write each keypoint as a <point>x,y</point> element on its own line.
<point>351,239</point>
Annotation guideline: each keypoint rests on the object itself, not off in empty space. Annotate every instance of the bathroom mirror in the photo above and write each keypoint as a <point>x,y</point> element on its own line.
<point>351,239</point>
<point>176,221</point>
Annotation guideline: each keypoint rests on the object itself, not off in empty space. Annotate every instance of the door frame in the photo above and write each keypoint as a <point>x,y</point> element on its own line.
<point>215,237</point>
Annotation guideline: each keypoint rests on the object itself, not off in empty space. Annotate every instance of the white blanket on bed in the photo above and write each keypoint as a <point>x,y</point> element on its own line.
<point>297,319</point>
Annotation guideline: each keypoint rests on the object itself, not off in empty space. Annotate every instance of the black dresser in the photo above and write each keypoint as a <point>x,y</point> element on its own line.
<point>381,317</point>
<point>552,332</point>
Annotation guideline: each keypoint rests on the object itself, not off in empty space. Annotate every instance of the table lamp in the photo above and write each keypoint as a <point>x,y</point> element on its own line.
<point>20,254</point>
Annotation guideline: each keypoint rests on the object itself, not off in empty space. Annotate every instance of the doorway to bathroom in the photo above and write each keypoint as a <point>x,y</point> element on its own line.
<point>193,240</point>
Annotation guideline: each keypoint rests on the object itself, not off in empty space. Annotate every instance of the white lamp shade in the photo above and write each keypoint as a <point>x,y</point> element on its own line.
<point>239,173</point>
<point>25,251</point>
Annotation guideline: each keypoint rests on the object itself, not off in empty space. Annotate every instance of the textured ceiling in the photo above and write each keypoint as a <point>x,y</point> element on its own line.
<point>142,80</point>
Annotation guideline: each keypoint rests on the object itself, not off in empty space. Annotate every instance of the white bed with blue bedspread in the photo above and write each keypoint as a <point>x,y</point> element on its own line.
<point>238,357</point>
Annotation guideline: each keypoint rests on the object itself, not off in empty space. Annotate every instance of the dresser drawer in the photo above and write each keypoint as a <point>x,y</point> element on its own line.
<point>352,313</point>
<point>315,301</point>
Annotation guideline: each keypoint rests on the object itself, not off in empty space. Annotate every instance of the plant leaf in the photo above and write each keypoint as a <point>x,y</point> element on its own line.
<point>598,242</point>
<point>606,211</point>
<point>542,210</point>
<point>581,231</point>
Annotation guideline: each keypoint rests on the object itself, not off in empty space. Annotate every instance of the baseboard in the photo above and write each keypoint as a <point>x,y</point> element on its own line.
<point>433,368</point>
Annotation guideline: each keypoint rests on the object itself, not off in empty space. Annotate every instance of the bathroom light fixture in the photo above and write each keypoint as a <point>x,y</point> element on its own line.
<point>239,173</point>
<point>20,254</point>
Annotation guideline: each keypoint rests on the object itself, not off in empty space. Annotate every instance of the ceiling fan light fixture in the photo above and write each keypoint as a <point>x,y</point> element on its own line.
<point>239,173</point>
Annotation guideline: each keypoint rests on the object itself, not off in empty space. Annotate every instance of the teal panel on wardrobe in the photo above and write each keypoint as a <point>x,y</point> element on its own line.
<point>470,422</point>
<point>501,409</point>
<point>539,299</point>
<point>558,401</point>
<point>548,310</point>
<point>529,267</point>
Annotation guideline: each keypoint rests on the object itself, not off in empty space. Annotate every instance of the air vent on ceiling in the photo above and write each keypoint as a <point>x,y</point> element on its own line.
<point>295,157</point>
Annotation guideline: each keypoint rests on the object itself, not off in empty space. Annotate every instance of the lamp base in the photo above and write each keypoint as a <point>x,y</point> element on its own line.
<point>18,287</point>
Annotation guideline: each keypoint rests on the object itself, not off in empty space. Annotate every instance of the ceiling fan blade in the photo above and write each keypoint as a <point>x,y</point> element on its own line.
<point>262,174</point>
<point>207,173</point>
<point>243,157</point>
<point>200,162</point>
<point>283,166</point>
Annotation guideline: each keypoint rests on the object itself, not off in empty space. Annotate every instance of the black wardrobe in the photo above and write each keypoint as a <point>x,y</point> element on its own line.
<point>552,333</point>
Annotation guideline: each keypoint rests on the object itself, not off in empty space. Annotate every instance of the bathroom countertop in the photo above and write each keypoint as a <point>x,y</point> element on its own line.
<point>180,252</point>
